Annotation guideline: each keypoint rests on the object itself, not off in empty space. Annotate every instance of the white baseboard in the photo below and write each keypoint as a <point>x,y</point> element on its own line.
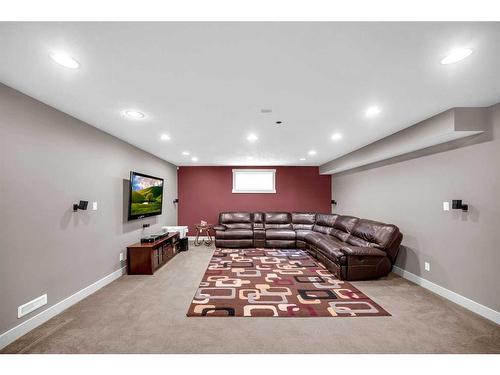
<point>469,304</point>
<point>20,330</point>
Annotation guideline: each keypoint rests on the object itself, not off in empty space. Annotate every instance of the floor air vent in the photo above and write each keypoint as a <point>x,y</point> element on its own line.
<point>31,306</point>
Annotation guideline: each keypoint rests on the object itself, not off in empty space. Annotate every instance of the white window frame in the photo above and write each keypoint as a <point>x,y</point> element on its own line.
<point>250,171</point>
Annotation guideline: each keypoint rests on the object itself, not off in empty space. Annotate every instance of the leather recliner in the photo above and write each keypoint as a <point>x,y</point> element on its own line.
<point>351,248</point>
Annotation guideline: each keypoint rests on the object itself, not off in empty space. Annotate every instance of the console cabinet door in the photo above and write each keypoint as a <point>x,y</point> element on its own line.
<point>156,262</point>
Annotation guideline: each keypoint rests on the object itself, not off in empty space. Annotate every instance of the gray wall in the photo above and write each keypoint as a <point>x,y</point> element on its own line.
<point>48,161</point>
<point>409,191</point>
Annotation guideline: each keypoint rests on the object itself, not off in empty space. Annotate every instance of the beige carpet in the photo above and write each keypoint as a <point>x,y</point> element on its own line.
<point>147,314</point>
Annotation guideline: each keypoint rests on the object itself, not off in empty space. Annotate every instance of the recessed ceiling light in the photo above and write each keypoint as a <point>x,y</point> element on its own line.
<point>165,137</point>
<point>456,55</point>
<point>266,110</point>
<point>302,159</point>
<point>63,59</point>
<point>194,158</point>
<point>372,111</point>
<point>185,153</point>
<point>132,113</point>
<point>312,152</point>
<point>252,138</point>
<point>336,136</point>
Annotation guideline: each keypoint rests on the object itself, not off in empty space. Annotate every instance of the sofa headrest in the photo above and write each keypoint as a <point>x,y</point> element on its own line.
<point>235,217</point>
<point>303,218</point>
<point>258,217</point>
<point>376,232</point>
<point>277,217</point>
<point>326,220</point>
<point>345,223</point>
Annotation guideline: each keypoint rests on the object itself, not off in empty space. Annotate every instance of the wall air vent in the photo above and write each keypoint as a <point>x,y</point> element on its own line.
<point>31,306</point>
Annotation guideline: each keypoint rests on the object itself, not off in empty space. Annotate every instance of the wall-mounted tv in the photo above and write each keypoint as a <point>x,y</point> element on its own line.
<point>146,196</point>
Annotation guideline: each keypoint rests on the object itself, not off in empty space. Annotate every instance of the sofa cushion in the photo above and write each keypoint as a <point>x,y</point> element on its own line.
<point>327,243</point>
<point>341,235</point>
<point>301,234</point>
<point>277,220</point>
<point>258,217</point>
<point>314,238</point>
<point>322,229</point>
<point>324,223</point>
<point>235,217</point>
<point>342,227</point>
<point>362,251</point>
<point>280,234</point>
<point>374,233</point>
<point>326,220</point>
<point>258,220</point>
<point>234,234</point>
<point>303,220</point>
<point>329,246</point>
<point>345,223</point>
<point>238,225</point>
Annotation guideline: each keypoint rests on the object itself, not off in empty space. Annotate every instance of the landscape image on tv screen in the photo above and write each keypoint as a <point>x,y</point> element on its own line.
<point>146,193</point>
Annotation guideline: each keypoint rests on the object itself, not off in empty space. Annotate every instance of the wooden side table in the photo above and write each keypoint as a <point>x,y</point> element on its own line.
<point>199,231</point>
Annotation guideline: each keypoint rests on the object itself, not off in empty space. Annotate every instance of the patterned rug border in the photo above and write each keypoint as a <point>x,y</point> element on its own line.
<point>323,276</point>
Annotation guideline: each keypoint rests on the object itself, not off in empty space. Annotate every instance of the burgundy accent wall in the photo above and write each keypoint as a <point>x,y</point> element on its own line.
<point>205,191</point>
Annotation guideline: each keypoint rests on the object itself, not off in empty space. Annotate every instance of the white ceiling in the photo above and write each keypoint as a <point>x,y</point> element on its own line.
<point>204,84</point>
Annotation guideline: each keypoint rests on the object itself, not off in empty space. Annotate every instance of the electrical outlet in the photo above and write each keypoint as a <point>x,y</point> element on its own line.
<point>446,206</point>
<point>94,206</point>
<point>122,257</point>
<point>427,266</point>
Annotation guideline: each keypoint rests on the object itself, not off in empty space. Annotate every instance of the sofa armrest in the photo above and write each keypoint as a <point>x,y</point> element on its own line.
<point>363,251</point>
<point>219,227</point>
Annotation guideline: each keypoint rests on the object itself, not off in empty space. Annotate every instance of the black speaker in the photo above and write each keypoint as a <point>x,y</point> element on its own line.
<point>82,205</point>
<point>457,204</point>
<point>184,244</point>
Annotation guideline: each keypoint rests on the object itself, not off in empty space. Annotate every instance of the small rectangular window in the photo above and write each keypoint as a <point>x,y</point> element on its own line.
<point>254,180</point>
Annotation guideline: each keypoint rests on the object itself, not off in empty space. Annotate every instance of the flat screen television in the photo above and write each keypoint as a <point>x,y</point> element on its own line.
<point>146,196</point>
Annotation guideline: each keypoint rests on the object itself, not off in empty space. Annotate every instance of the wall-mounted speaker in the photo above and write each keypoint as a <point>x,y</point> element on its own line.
<point>457,204</point>
<point>82,205</point>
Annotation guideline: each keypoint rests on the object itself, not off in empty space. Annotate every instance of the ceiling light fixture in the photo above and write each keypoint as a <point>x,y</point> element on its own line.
<point>194,158</point>
<point>372,111</point>
<point>185,153</point>
<point>132,113</point>
<point>312,152</point>
<point>63,59</point>
<point>336,136</point>
<point>302,159</point>
<point>456,55</point>
<point>252,138</point>
<point>165,137</point>
<point>266,110</point>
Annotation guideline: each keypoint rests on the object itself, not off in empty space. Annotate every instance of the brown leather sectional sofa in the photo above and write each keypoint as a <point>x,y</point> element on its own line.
<point>351,248</point>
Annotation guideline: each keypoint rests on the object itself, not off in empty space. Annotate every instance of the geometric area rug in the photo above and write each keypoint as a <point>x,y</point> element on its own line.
<point>275,283</point>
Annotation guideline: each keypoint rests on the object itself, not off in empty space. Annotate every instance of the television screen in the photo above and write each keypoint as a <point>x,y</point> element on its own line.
<point>146,194</point>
